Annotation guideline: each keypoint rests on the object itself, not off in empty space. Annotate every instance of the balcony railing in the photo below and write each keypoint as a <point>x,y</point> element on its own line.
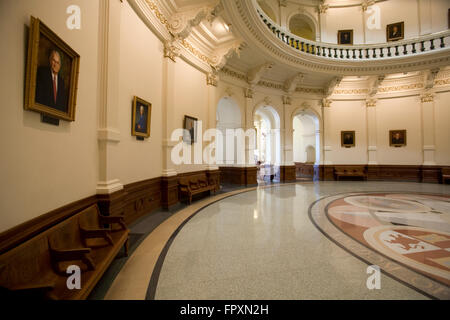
<point>401,48</point>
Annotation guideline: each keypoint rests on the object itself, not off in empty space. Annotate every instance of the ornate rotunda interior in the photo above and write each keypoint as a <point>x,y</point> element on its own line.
<point>225,149</point>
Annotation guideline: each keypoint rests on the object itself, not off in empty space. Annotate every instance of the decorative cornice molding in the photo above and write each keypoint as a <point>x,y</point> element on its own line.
<point>401,88</point>
<point>351,91</point>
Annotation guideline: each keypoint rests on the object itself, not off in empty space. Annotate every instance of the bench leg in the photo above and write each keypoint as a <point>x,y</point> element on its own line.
<point>125,246</point>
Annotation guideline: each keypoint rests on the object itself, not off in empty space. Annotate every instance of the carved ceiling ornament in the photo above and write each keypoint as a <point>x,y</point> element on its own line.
<point>326,103</point>
<point>430,76</point>
<point>291,84</point>
<point>375,84</point>
<point>366,4</point>
<point>287,100</point>
<point>255,74</point>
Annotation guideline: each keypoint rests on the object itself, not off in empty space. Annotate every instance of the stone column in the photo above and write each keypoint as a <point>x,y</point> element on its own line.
<point>169,182</point>
<point>371,115</point>
<point>428,130</point>
<point>327,149</point>
<point>109,187</point>
<point>287,168</point>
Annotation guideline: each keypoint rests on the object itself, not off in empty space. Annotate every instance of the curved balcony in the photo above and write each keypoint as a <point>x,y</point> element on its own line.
<point>402,48</point>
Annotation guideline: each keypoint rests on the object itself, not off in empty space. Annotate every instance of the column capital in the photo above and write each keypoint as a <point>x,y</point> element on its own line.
<point>371,103</point>
<point>427,97</point>
<point>326,103</point>
<point>248,93</point>
<point>287,100</point>
<point>211,79</point>
<point>322,8</point>
<point>171,51</point>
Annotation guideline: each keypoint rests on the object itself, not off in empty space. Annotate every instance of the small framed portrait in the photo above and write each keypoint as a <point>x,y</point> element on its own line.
<point>190,133</point>
<point>347,139</point>
<point>51,78</point>
<point>141,119</point>
<point>395,31</point>
<point>345,37</point>
<point>397,138</point>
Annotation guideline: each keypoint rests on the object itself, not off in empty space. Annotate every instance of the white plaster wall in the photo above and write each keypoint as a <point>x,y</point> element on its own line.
<point>141,58</point>
<point>348,116</point>
<point>43,167</point>
<point>399,114</point>
<point>192,100</point>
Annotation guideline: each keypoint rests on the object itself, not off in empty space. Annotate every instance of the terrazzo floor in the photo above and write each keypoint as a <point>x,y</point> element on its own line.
<point>257,244</point>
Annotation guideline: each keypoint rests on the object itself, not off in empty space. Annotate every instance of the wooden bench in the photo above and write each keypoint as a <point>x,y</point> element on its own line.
<point>445,174</point>
<point>349,171</point>
<point>37,267</point>
<point>196,184</point>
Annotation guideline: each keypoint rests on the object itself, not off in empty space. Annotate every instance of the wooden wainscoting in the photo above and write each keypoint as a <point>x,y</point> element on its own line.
<point>243,176</point>
<point>287,173</point>
<point>412,173</point>
<point>304,170</point>
<point>133,201</point>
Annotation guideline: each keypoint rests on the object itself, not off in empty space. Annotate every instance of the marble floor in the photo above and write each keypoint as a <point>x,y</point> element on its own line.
<point>280,242</point>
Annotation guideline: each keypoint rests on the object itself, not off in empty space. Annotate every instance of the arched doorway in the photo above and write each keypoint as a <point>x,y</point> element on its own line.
<point>268,143</point>
<point>302,26</point>
<point>228,116</point>
<point>306,143</point>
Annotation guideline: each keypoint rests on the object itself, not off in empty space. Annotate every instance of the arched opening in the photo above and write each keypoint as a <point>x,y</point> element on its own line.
<point>306,143</point>
<point>302,26</point>
<point>228,116</point>
<point>268,10</point>
<point>268,144</point>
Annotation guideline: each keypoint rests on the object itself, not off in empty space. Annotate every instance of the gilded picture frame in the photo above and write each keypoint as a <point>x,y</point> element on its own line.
<point>395,31</point>
<point>397,138</point>
<point>347,139</point>
<point>345,37</point>
<point>51,78</point>
<point>141,118</point>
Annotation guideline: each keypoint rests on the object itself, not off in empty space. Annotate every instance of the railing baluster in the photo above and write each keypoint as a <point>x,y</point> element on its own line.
<point>335,53</point>
<point>374,53</point>
<point>381,53</point>
<point>303,48</point>
<point>278,34</point>
<point>422,47</point>
<point>442,42</point>
<point>396,50</point>
<point>389,51</point>
<point>307,48</point>
<point>413,47</point>
<point>367,54</point>
<point>405,51</point>
<point>329,52</point>
<point>432,44</point>
<point>360,54</point>
<point>297,41</point>
<point>318,50</point>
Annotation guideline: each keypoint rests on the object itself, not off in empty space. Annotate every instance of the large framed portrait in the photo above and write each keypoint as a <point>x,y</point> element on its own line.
<point>190,126</point>
<point>397,138</point>
<point>345,37</point>
<point>395,31</point>
<point>51,74</point>
<point>141,119</point>
<point>347,139</point>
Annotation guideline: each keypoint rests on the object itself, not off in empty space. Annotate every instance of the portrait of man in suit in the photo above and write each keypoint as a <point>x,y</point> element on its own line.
<point>348,139</point>
<point>397,138</point>
<point>345,37</point>
<point>50,87</point>
<point>141,119</point>
<point>395,31</point>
